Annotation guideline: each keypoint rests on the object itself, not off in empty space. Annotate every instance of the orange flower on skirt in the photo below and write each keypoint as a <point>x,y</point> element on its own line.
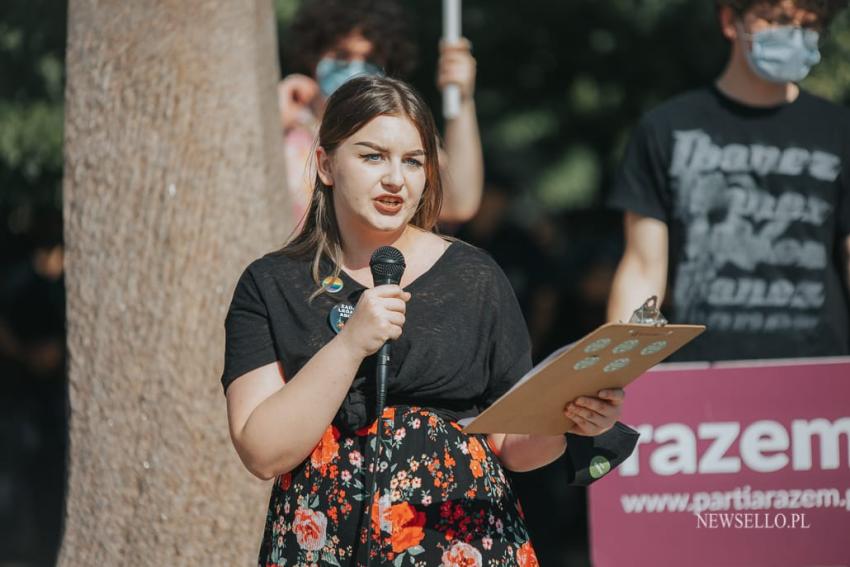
<point>525,556</point>
<point>408,524</point>
<point>404,522</point>
<point>327,449</point>
<point>476,450</point>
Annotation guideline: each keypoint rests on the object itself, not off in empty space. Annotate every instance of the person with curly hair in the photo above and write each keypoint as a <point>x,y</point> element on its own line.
<point>742,189</point>
<point>331,41</point>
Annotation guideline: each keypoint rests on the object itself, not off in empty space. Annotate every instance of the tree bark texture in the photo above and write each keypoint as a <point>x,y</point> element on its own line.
<point>173,183</point>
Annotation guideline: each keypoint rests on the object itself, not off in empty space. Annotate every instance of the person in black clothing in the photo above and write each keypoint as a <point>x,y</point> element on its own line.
<point>33,421</point>
<point>737,197</point>
<point>299,378</point>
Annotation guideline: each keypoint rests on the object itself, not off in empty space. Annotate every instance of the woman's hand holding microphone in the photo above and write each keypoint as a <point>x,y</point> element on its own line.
<point>378,318</point>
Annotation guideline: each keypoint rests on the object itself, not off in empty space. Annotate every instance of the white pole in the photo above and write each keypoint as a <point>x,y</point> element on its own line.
<point>451,34</point>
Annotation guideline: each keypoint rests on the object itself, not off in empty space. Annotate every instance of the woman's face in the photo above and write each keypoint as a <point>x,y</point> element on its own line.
<point>377,176</point>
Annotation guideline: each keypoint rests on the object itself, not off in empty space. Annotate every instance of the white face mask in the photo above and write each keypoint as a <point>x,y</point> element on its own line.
<point>782,54</point>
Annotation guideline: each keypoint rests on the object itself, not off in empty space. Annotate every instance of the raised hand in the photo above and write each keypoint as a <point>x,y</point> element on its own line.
<point>457,66</point>
<point>297,96</point>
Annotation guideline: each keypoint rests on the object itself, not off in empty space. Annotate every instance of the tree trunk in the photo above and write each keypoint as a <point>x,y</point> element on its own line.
<point>173,183</point>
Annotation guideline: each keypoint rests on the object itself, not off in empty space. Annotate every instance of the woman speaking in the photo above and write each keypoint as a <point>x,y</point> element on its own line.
<point>302,332</point>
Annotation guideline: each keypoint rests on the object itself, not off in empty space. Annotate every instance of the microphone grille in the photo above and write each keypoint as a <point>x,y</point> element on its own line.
<point>387,264</point>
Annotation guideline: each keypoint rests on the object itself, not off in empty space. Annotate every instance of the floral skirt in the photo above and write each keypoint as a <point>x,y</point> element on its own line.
<point>442,499</point>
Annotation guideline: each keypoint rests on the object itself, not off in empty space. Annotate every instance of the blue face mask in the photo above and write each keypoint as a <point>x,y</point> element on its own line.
<point>783,54</point>
<point>332,73</point>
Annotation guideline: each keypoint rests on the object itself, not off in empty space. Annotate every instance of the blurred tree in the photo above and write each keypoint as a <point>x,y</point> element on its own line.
<point>172,185</point>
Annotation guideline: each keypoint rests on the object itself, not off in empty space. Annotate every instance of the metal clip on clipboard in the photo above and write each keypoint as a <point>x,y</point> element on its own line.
<point>649,314</point>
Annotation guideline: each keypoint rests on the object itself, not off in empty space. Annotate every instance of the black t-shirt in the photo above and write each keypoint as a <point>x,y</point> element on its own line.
<point>756,201</point>
<point>464,341</point>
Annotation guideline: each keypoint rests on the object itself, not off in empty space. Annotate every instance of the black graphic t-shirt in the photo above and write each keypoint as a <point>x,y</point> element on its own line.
<point>757,202</point>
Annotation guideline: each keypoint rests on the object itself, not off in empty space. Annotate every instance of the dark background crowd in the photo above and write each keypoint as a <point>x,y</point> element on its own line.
<point>560,85</point>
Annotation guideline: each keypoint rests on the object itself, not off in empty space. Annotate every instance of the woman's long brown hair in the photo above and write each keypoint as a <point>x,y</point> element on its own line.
<point>349,109</point>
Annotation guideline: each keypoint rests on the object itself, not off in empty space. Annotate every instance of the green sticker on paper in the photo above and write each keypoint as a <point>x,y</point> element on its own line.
<point>626,346</point>
<point>652,348</point>
<point>597,345</point>
<point>586,363</point>
<point>615,365</point>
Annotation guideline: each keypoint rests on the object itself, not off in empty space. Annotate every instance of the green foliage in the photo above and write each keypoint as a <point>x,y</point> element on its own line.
<point>570,182</point>
<point>285,9</point>
<point>32,53</point>
<point>31,138</point>
<point>560,84</point>
<point>831,78</point>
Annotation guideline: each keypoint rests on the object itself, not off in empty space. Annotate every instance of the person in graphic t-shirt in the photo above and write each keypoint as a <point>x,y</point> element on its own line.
<point>737,197</point>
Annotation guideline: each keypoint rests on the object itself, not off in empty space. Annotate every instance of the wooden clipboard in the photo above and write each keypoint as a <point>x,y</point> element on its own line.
<point>612,356</point>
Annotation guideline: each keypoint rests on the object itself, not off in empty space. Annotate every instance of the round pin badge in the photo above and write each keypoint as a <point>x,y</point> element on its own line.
<point>340,313</point>
<point>599,466</point>
<point>332,284</point>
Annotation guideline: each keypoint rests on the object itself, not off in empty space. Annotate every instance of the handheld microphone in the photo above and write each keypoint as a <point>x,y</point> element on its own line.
<point>387,265</point>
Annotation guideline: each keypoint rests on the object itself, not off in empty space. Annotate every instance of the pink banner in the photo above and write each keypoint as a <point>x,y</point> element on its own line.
<point>739,464</point>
